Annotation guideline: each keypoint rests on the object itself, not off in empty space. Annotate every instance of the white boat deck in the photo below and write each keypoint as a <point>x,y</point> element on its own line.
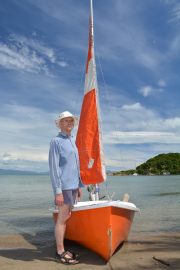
<point>99,204</point>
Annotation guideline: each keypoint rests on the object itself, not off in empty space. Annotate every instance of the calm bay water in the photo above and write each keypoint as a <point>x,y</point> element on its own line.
<point>25,202</point>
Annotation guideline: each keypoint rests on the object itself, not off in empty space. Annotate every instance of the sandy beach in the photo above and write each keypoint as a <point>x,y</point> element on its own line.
<point>156,251</point>
<point>27,238</point>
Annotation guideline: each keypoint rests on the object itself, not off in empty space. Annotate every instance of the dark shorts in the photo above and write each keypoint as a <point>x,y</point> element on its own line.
<point>70,196</point>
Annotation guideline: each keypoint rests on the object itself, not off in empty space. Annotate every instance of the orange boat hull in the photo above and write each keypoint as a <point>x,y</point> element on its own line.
<point>101,230</point>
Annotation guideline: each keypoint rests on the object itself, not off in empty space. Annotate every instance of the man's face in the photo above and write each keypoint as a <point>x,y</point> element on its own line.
<point>67,124</point>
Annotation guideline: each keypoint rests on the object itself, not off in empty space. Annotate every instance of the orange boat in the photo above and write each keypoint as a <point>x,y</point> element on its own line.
<point>98,225</point>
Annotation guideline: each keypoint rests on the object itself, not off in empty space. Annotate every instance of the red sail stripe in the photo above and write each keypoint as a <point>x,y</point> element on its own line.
<point>88,141</point>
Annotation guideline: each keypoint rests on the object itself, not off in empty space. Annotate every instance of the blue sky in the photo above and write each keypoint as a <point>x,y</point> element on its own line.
<point>43,48</point>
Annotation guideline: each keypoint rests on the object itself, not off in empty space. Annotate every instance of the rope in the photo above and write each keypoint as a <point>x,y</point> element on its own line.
<point>107,102</point>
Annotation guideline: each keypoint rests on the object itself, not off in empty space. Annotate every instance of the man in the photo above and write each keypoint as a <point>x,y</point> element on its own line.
<point>65,178</point>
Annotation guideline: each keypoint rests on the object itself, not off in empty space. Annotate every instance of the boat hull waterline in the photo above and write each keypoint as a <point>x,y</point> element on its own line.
<point>100,226</point>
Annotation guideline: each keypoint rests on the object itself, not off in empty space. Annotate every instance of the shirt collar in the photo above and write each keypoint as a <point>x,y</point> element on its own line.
<point>64,135</point>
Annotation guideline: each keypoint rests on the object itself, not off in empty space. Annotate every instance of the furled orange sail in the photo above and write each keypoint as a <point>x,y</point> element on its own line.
<point>89,141</point>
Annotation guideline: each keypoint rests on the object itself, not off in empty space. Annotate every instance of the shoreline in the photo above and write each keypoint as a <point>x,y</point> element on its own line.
<point>141,251</point>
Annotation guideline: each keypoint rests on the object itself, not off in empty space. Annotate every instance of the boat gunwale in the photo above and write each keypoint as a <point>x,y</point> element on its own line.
<point>88,205</point>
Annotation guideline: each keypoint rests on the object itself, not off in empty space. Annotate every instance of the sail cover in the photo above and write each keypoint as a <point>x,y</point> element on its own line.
<point>89,141</point>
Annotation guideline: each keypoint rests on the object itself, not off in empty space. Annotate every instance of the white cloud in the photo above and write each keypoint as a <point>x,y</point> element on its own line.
<point>35,45</point>
<point>25,134</point>
<point>21,59</point>
<point>175,11</point>
<point>62,64</point>
<point>146,90</point>
<point>60,10</point>
<point>30,55</point>
<point>135,117</point>
<point>172,123</point>
<point>130,156</point>
<point>141,137</point>
<point>136,106</point>
<point>7,156</point>
<point>124,28</point>
<point>123,159</point>
<point>132,135</point>
<point>161,83</point>
<point>25,160</point>
<point>23,155</point>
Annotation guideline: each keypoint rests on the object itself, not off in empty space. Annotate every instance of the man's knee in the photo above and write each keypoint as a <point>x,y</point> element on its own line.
<point>64,216</point>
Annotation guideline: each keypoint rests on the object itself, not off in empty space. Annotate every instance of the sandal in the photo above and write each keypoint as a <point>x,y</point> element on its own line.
<point>65,258</point>
<point>73,254</point>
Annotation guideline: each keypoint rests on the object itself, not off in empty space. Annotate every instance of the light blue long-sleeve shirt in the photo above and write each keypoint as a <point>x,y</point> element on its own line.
<point>64,164</point>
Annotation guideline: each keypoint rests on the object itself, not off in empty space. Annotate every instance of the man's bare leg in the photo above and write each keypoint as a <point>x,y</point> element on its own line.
<point>60,227</point>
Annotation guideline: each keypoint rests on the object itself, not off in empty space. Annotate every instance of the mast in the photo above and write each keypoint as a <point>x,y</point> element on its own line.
<point>92,18</point>
<point>89,137</point>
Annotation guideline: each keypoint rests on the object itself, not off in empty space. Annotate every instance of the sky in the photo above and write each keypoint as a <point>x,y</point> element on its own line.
<point>43,50</point>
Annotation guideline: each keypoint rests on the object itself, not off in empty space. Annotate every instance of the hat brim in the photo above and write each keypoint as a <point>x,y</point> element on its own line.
<point>75,117</point>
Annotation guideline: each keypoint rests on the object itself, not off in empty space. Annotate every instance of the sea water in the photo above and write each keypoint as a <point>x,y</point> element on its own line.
<point>25,202</point>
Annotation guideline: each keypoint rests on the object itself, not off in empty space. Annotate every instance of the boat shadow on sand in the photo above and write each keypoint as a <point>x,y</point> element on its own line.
<point>46,251</point>
<point>41,246</point>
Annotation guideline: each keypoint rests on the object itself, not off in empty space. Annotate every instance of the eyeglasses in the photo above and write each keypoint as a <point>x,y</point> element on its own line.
<point>67,121</point>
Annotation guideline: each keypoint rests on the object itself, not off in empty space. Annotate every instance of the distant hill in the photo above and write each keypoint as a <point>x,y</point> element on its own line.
<point>163,164</point>
<point>18,172</point>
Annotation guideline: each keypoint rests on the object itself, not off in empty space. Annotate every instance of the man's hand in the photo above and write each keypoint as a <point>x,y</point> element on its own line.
<point>59,199</point>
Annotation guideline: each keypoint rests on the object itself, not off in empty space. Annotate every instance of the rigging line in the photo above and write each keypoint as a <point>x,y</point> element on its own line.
<point>105,87</point>
<point>105,84</point>
<point>107,101</point>
<point>106,91</point>
<point>83,74</point>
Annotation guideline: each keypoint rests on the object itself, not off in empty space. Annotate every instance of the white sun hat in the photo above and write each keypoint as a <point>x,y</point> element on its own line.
<point>66,114</point>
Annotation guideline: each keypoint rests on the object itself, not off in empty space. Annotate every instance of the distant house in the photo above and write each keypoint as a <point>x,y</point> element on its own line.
<point>166,173</point>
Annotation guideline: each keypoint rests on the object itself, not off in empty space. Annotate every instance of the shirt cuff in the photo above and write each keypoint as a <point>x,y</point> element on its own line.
<point>58,191</point>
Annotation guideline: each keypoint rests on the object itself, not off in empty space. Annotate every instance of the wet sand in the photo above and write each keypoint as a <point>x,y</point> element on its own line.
<point>156,251</point>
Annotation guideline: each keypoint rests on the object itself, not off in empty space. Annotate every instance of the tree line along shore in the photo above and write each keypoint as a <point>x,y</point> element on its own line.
<point>162,164</point>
